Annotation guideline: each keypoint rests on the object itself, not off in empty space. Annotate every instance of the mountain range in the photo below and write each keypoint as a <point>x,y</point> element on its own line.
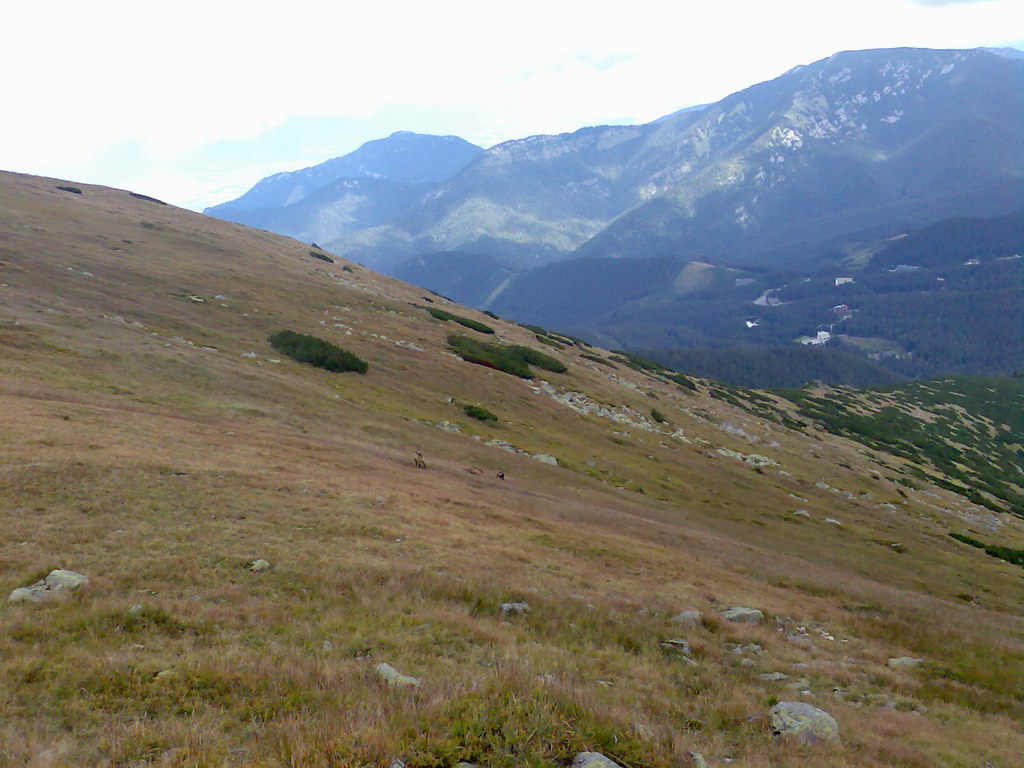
<point>818,169</point>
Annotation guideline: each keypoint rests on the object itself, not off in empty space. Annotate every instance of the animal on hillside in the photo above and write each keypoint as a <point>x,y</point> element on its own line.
<point>501,475</point>
<point>418,461</point>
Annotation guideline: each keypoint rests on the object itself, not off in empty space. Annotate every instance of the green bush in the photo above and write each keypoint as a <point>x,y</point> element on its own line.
<point>479,412</point>
<point>1015,556</point>
<point>598,359</point>
<point>475,325</point>
<point>314,351</point>
<point>658,416</point>
<point>512,359</point>
<point>321,256</point>
<point>549,342</point>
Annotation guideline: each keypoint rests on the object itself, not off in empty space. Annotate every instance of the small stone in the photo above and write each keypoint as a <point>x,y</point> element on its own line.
<point>797,720</point>
<point>593,760</point>
<point>327,646</point>
<point>802,513</point>
<point>520,608</point>
<point>697,760</point>
<point>743,615</point>
<point>832,521</point>
<point>773,677</point>
<point>259,566</point>
<point>747,663</point>
<point>545,458</point>
<point>135,610</point>
<point>691,618</point>
<point>394,678</point>
<point>904,662</point>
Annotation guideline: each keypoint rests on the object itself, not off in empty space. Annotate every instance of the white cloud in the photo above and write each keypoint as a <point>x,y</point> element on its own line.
<point>126,92</point>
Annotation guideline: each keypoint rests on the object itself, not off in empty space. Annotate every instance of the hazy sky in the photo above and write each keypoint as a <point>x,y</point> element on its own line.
<point>193,102</point>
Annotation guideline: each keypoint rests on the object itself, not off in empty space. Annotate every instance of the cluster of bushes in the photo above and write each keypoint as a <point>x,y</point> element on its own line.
<point>321,256</point>
<point>475,325</point>
<point>309,349</point>
<point>479,412</point>
<point>512,358</point>
<point>1010,555</point>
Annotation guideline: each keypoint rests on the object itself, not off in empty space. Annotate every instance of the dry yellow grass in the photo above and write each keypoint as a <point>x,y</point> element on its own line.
<point>161,469</point>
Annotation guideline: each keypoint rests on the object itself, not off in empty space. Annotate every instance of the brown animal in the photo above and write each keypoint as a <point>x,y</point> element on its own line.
<point>418,461</point>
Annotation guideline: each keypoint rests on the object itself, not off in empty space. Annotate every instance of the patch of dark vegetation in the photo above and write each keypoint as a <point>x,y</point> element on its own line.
<point>791,365</point>
<point>321,256</point>
<point>479,412</point>
<point>313,351</point>
<point>147,198</point>
<point>548,341</point>
<point>475,325</point>
<point>658,416</point>
<point>511,358</point>
<point>969,458</point>
<point>598,359</point>
<point>347,268</point>
<point>491,315</point>
<point>72,190</point>
<point>1010,555</point>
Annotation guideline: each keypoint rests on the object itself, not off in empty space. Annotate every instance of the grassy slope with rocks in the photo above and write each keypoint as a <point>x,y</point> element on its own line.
<point>154,441</point>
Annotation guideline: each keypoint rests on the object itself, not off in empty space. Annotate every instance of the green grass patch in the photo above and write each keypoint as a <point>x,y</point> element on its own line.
<point>313,351</point>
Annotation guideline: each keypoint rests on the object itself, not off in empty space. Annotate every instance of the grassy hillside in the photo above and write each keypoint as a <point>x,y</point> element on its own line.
<point>156,442</point>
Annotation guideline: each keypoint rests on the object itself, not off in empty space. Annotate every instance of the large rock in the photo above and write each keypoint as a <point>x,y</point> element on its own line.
<point>394,678</point>
<point>593,760</point>
<point>797,720</point>
<point>259,566</point>
<point>743,615</point>
<point>56,581</point>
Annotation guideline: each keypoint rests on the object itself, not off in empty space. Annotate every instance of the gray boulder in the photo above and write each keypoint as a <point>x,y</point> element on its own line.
<point>593,760</point>
<point>259,566</point>
<point>545,458</point>
<point>742,615</point>
<point>800,721</point>
<point>394,678</point>
<point>56,581</point>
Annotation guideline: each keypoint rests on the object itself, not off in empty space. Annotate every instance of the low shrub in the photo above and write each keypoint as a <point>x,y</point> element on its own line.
<point>479,412</point>
<point>475,325</point>
<point>513,359</point>
<point>658,416</point>
<point>73,190</point>
<point>549,342</point>
<point>321,256</point>
<point>147,198</point>
<point>309,349</point>
<point>1015,556</point>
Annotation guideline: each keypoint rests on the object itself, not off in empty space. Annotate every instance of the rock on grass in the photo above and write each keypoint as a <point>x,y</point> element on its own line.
<point>800,721</point>
<point>56,581</point>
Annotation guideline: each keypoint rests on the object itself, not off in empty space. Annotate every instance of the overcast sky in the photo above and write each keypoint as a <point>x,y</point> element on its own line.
<point>193,102</point>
